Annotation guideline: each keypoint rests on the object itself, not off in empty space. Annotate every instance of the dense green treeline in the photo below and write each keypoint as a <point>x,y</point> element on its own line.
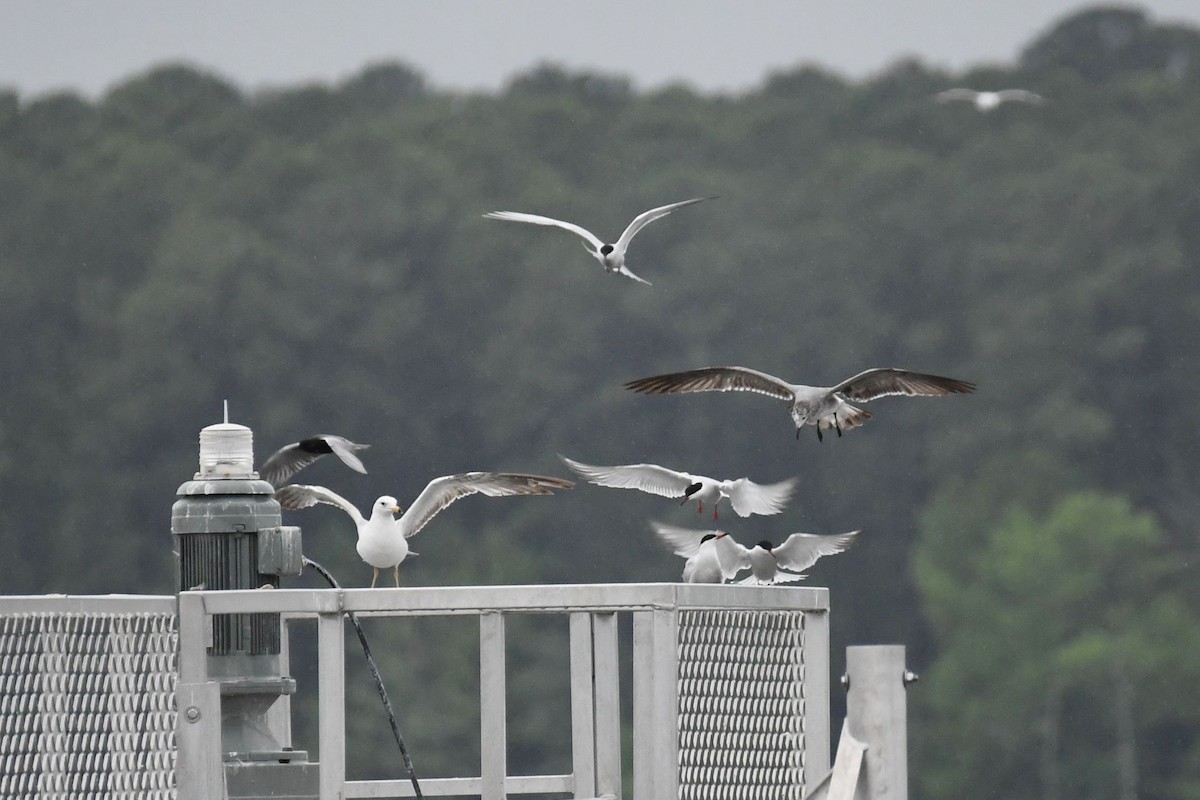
<point>318,257</point>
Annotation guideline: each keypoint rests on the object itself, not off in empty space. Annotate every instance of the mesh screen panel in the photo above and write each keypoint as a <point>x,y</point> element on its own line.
<point>741,705</point>
<point>87,705</point>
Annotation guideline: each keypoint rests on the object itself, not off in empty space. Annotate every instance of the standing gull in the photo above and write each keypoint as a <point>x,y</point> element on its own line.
<point>823,406</point>
<point>383,540</point>
<point>989,101</point>
<point>712,556</point>
<point>744,495</point>
<point>610,256</point>
<point>290,459</point>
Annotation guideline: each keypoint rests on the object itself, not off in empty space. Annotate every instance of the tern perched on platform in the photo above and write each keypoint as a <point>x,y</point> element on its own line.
<point>989,101</point>
<point>610,256</point>
<point>744,495</point>
<point>383,540</point>
<point>798,552</point>
<point>290,459</point>
<point>823,406</point>
<point>712,556</point>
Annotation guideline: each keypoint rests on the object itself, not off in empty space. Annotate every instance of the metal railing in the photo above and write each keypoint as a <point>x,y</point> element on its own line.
<point>730,687</point>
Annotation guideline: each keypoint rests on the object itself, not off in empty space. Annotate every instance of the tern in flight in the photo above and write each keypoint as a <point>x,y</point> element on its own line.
<point>610,256</point>
<point>823,406</point>
<point>712,556</point>
<point>989,101</point>
<point>383,539</point>
<point>290,459</point>
<point>744,495</point>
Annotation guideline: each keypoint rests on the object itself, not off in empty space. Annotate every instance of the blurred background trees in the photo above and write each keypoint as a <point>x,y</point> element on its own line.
<point>317,256</point>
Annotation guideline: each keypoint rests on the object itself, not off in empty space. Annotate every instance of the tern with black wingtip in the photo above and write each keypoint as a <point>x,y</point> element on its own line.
<point>290,459</point>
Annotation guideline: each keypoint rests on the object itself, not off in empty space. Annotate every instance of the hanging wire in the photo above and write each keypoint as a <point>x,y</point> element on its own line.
<point>387,704</point>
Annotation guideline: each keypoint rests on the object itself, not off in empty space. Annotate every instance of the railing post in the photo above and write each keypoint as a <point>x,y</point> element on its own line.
<point>656,704</point>
<point>199,772</point>
<point>493,722</point>
<point>583,706</point>
<point>815,653</point>
<point>608,705</point>
<point>877,716</point>
<point>331,701</point>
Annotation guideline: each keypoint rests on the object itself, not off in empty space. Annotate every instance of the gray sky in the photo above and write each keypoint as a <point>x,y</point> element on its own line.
<point>88,45</point>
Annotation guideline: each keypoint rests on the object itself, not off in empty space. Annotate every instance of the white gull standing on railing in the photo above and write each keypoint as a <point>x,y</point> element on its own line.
<point>383,540</point>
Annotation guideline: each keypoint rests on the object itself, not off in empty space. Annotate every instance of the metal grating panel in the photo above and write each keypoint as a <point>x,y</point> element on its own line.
<point>741,705</point>
<point>87,705</point>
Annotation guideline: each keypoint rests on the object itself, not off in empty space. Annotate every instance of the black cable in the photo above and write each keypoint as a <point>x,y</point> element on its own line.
<point>387,704</point>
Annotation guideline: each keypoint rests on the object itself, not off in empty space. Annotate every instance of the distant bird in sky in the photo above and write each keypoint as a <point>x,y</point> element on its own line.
<point>824,407</point>
<point>744,495</point>
<point>712,556</point>
<point>383,540</point>
<point>290,459</point>
<point>798,552</point>
<point>989,101</point>
<point>610,256</point>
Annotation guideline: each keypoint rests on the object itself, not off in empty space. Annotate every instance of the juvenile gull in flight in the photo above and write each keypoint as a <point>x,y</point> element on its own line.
<point>610,256</point>
<point>383,540</point>
<point>823,406</point>
<point>989,101</point>
<point>744,495</point>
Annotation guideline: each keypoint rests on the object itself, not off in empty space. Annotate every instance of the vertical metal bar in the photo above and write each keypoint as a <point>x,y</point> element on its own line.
<point>198,768</point>
<point>193,663</point>
<point>583,708</point>
<point>664,723</point>
<point>331,702</point>
<point>877,715</point>
<point>608,705</point>
<point>815,653</point>
<point>493,746</point>
<point>643,702</point>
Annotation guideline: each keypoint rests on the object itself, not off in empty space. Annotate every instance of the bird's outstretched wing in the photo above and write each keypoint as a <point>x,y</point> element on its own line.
<point>645,477</point>
<point>1020,95</point>
<point>686,542</point>
<point>714,379</point>
<point>624,270</point>
<point>951,95</point>
<point>290,459</point>
<point>296,496</point>
<point>883,382</point>
<point>443,491</point>
<point>748,497</point>
<point>538,219</point>
<point>801,550</point>
<point>646,217</point>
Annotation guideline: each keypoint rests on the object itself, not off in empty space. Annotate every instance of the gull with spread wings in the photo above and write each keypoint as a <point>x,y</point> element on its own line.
<point>712,556</point>
<point>383,539</point>
<point>823,406</point>
<point>610,256</point>
<point>746,496</point>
